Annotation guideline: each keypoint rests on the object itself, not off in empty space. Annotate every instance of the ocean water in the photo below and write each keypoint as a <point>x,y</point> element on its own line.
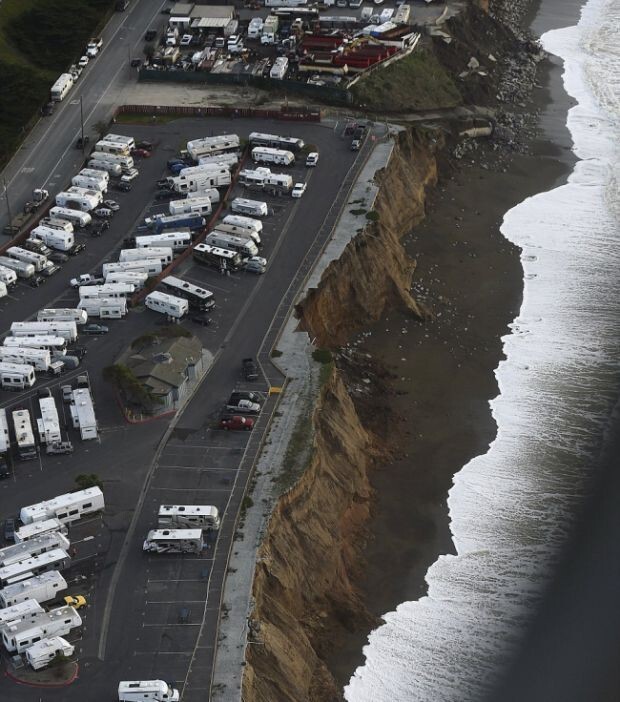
<point>511,509</point>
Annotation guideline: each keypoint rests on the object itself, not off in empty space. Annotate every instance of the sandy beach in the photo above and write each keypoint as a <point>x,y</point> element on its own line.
<point>471,278</point>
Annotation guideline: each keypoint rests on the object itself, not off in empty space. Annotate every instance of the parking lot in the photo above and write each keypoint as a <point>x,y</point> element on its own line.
<point>155,616</point>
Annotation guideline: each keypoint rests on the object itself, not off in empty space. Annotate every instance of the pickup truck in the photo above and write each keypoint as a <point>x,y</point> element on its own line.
<point>86,279</point>
<point>94,46</point>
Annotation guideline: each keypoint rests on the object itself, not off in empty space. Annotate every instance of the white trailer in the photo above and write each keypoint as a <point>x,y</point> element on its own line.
<point>253,208</point>
<point>57,345</point>
<point>17,612</point>
<point>5,439</point>
<point>213,145</point>
<point>239,230</point>
<point>54,238</point>
<point>169,305</point>
<point>111,167</point>
<point>8,276</point>
<point>279,68</point>
<point>150,266</point>
<point>68,330</point>
<point>16,376</point>
<point>57,622</point>
<point>205,517</point>
<point>278,182</point>
<point>19,552</point>
<point>61,87</point>
<point>104,307</point>
<point>229,160</point>
<point>40,654</point>
<point>38,261</point>
<point>126,141</point>
<point>22,269</point>
<point>200,181</point>
<point>212,193</point>
<point>42,588</point>
<point>97,173</point>
<point>67,508</point>
<point>254,177</point>
<point>107,290</point>
<point>209,167</point>
<point>125,162</point>
<point>85,201</point>
<point>255,28</point>
<point>162,253</point>
<point>26,445</point>
<point>201,205</point>
<point>3,290</point>
<point>275,141</point>
<point>83,414</point>
<point>53,223</point>
<point>47,526</point>
<point>177,241</point>
<point>245,246</point>
<point>112,147</point>
<point>48,424</point>
<point>76,217</point>
<point>60,314</point>
<point>90,183</point>
<point>136,278</point>
<point>174,541</point>
<point>56,559</point>
<point>265,154</point>
<point>146,691</point>
<point>39,359</point>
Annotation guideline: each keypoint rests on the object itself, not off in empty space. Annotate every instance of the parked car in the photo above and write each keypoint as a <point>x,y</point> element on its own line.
<point>165,195</point>
<point>76,248</point>
<point>5,471</point>
<point>131,174</point>
<point>201,318</point>
<point>120,185</point>
<point>103,212</point>
<point>150,34</point>
<point>44,392</point>
<point>67,393</point>
<point>249,369</point>
<point>58,257</point>
<point>245,395</point>
<point>236,422</point>
<point>9,529</point>
<point>163,183</point>
<point>258,259</point>
<point>174,161</point>
<point>144,145</point>
<point>81,142</point>
<point>83,62</point>
<point>140,153</point>
<point>100,226</point>
<point>36,281</point>
<point>112,204</point>
<point>254,267</point>
<point>59,448</point>
<point>94,329</point>
<point>75,601</point>
<point>79,351</point>
<point>244,407</point>
<point>356,145</point>
<point>50,270</point>
<point>299,189</point>
<point>312,159</point>
<point>48,109</point>
<point>135,62</point>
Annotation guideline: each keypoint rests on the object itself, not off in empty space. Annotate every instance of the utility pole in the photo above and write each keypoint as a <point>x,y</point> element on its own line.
<point>82,123</point>
<point>8,204</point>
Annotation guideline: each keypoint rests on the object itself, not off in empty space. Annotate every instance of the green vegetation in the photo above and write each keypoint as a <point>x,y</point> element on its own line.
<point>122,378</point>
<point>372,216</point>
<point>172,332</point>
<point>276,353</point>
<point>322,355</point>
<point>88,480</point>
<point>417,82</point>
<point>358,211</point>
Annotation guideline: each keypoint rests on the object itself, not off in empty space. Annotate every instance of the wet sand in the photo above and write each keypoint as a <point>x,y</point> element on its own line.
<point>472,279</point>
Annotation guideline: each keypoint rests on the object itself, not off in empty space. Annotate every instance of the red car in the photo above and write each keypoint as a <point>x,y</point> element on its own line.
<point>142,153</point>
<point>237,422</point>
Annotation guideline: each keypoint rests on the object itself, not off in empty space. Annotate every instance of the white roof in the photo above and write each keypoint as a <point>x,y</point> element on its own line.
<point>26,565</point>
<point>47,647</point>
<point>143,686</point>
<point>50,578</point>
<point>42,509</point>
<point>206,510</point>
<point>85,411</point>
<point>19,611</point>
<point>41,619</point>
<point>174,534</point>
<point>29,530</point>
<point>40,544</point>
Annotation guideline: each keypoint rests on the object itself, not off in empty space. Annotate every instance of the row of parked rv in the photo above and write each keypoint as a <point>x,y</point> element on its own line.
<point>180,528</point>
<point>34,619</point>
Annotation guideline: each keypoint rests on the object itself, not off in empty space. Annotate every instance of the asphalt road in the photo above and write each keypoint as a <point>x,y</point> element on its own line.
<point>132,628</point>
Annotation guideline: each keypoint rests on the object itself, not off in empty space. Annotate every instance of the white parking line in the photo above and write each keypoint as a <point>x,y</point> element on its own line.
<point>162,653</point>
<point>174,601</point>
<point>180,447</point>
<point>193,489</point>
<point>205,469</point>
<point>165,626</point>
<point>173,580</point>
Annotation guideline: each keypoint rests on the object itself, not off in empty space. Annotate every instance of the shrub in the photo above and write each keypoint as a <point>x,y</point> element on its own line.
<point>322,355</point>
<point>372,216</point>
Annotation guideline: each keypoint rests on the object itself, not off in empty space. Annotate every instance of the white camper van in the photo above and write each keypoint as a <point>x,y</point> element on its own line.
<point>213,145</point>
<point>59,622</point>
<point>82,414</point>
<point>150,266</point>
<point>136,278</point>
<point>111,167</point>
<point>57,345</point>
<point>174,541</point>
<point>169,305</point>
<point>26,445</point>
<point>48,424</point>
<point>21,268</point>
<point>253,208</point>
<point>90,183</point>
<point>8,276</point>
<point>125,162</point>
<point>126,141</point>
<point>123,290</point>
<point>79,198</point>
<point>247,222</point>
<point>243,232</point>
<point>61,87</point>
<point>39,359</point>
<point>37,260</point>
<point>67,330</point>
<point>31,531</point>
<point>104,307</point>
<point>146,691</point>
<point>205,517</point>
<point>98,173</point>
<point>201,205</point>
<point>112,147</point>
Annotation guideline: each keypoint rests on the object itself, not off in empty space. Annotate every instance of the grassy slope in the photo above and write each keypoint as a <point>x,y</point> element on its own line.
<point>417,82</point>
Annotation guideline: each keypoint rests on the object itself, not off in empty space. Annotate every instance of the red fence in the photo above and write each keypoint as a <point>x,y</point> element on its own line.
<point>299,114</point>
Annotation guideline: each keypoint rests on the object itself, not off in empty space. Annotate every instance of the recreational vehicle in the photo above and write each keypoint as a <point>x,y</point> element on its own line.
<point>57,622</point>
<point>112,147</point>
<point>209,167</point>
<point>247,222</point>
<point>276,142</point>
<point>26,445</point>
<point>19,611</point>
<point>66,508</point>
<point>61,224</point>
<point>90,183</point>
<point>229,160</point>
<point>39,359</point>
<point>217,257</point>
<point>48,424</point>
<point>279,68</point>
<point>83,414</point>
<point>56,559</point>
<point>8,276</point>
<point>47,526</point>
<point>22,269</point>
<point>201,205</point>
<point>245,246</point>
<point>98,173</point>
<point>402,15</point>
<point>200,181</point>
<point>136,278</point>
<point>40,654</point>
<point>68,330</point>
<point>37,260</point>
<point>205,517</point>
<point>3,290</point>
<point>198,297</point>
<point>177,241</point>
<point>212,145</point>
<point>42,588</point>
<point>57,345</point>
<point>150,266</point>
<point>180,222</point>
<point>111,167</point>
<point>54,238</point>
<point>127,141</point>
<point>243,232</point>
<point>253,208</point>
<point>104,307</point>
<point>278,183</point>
<point>279,157</point>
<point>61,87</point>
<point>62,315</point>
<point>146,691</point>
<point>5,439</point>
<point>169,305</point>
<point>85,200</point>
<point>16,376</point>
<point>108,290</point>
<point>254,177</point>
<point>33,547</point>
<point>174,541</point>
<point>99,157</point>
<point>162,253</point>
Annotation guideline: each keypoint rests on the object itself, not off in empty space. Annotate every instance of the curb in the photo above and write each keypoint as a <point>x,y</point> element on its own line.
<point>62,684</point>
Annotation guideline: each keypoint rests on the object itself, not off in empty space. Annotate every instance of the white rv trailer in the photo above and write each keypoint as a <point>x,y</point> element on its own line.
<point>33,547</point>
<point>111,167</point>
<point>56,559</point>
<point>97,173</point>
<point>174,541</point>
<point>48,424</point>
<point>150,266</point>
<point>57,622</point>
<point>104,307</point>
<point>210,167</point>
<point>26,445</point>
<point>201,181</point>
<point>39,359</point>
<point>402,15</point>
<point>197,297</point>
<point>17,612</point>
<point>201,205</point>
<point>76,217</point>
<point>83,414</point>
<point>67,508</point>
<point>205,517</point>
<point>213,145</point>
<point>67,330</point>
<point>229,159</point>
<point>61,87</point>
<point>123,290</point>
<point>97,157</point>
<point>170,305</point>
<point>222,259</point>
<point>112,147</point>
<point>177,241</point>
<point>22,269</point>
<point>41,588</point>
<point>212,193</point>
<point>242,232</point>
<point>254,177</point>
<point>278,183</point>
<point>40,654</point>
<point>8,276</point>
<point>57,345</point>
<point>279,68</point>
<point>90,183</point>
<point>16,376</point>
<point>245,246</point>
<point>253,208</point>
<point>5,439</point>
<point>275,141</point>
<point>136,278</point>
<point>60,314</point>
<point>163,253</point>
<point>3,290</point>
<point>127,141</point>
<point>79,199</point>
<point>38,261</point>
<point>54,238</point>
<point>146,691</point>
<point>47,526</point>
<point>61,224</point>
<point>265,154</point>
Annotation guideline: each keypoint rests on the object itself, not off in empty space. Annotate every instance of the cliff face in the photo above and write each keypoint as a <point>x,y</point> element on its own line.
<point>374,270</point>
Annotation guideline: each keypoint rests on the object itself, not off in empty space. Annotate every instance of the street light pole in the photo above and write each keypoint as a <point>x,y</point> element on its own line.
<point>82,123</point>
<point>8,204</point>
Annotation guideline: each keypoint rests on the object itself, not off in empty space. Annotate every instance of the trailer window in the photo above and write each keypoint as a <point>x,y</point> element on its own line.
<point>73,511</point>
<point>62,515</point>
<point>86,505</point>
